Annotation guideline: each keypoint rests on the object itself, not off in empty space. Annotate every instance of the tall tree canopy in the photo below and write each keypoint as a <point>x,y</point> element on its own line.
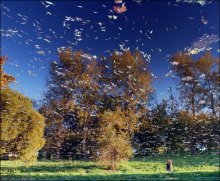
<point>72,95</point>
<point>81,87</point>
<point>198,81</point>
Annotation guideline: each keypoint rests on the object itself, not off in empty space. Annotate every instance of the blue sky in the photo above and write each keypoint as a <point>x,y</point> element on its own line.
<point>31,32</point>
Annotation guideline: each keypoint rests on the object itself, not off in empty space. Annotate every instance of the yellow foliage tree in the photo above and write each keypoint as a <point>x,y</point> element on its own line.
<point>114,139</point>
<point>22,127</point>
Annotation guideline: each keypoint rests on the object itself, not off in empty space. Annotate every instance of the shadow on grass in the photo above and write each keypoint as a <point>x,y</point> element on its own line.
<point>51,169</point>
<point>212,176</point>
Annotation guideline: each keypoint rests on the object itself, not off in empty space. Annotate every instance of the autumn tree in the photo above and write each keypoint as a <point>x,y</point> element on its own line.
<point>22,127</point>
<point>55,131</point>
<point>114,143</point>
<point>72,90</point>
<point>207,67</point>
<point>198,85</point>
<point>189,87</point>
<point>53,108</point>
<point>126,86</point>
<point>126,83</point>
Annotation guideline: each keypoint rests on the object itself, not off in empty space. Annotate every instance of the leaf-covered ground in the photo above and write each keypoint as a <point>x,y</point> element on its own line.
<point>185,167</point>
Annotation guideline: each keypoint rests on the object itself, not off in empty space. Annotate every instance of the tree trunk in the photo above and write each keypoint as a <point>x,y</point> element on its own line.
<point>192,148</point>
<point>212,101</point>
<point>84,145</point>
<point>212,105</point>
<point>114,160</point>
<point>193,102</point>
<point>57,154</point>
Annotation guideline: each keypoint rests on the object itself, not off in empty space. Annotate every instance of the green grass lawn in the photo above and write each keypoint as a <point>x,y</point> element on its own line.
<point>185,167</point>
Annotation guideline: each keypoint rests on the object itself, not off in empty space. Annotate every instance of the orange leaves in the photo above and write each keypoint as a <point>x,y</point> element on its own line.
<point>182,64</point>
<point>118,1</point>
<point>5,78</point>
<point>120,9</point>
<point>66,56</point>
<point>2,60</point>
<point>132,70</point>
<point>182,58</point>
<point>204,63</point>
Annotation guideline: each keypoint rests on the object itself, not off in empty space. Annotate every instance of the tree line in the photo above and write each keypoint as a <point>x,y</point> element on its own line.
<point>99,108</point>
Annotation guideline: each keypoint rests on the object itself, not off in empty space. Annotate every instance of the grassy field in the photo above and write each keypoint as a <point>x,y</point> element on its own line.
<point>185,167</point>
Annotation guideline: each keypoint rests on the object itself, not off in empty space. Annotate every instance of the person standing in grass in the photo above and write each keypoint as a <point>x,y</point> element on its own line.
<point>169,165</point>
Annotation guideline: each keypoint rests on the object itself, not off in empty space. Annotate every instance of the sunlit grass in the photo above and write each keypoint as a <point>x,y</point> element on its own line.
<point>185,167</point>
